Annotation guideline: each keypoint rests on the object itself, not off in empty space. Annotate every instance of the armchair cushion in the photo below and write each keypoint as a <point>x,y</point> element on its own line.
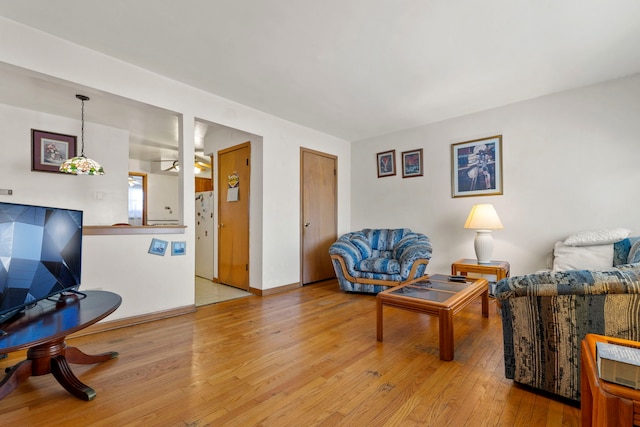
<point>382,265</point>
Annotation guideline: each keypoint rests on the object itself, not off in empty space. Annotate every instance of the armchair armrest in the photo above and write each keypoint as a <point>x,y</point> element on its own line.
<point>349,253</point>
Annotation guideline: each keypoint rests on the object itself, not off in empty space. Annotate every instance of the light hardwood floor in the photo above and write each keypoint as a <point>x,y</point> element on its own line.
<point>307,357</point>
<point>208,292</point>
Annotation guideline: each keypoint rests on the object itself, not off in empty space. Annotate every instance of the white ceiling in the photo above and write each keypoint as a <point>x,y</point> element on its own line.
<point>355,68</point>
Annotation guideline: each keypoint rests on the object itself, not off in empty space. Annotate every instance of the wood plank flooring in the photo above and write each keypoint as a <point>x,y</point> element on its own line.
<point>307,357</point>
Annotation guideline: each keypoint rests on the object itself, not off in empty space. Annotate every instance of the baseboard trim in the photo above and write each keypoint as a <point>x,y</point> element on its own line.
<point>276,290</point>
<point>134,320</point>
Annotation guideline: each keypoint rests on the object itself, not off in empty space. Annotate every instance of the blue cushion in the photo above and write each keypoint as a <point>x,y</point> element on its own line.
<point>379,265</point>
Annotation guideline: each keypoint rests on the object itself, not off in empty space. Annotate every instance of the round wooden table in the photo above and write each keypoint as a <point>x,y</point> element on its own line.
<point>42,330</point>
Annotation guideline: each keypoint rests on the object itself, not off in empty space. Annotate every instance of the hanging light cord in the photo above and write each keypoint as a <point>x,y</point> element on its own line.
<point>82,99</point>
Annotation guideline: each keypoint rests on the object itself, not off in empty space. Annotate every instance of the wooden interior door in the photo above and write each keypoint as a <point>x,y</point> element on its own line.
<point>319,214</point>
<point>233,216</point>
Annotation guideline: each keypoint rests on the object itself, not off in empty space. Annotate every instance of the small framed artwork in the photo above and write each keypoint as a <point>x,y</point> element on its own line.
<point>476,167</point>
<point>49,150</point>
<point>386,163</point>
<point>412,163</point>
<point>178,248</point>
<point>158,247</point>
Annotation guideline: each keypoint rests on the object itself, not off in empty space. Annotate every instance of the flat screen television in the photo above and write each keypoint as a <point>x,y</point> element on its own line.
<point>40,254</point>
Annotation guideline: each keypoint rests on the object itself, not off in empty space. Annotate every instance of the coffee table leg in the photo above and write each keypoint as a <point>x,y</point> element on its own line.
<point>379,319</point>
<point>485,303</point>
<point>445,323</point>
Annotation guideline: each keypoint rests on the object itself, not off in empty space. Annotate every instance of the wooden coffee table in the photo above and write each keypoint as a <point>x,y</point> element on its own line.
<point>436,296</point>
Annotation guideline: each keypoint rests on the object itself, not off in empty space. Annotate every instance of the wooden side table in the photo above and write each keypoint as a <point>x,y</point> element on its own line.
<point>500,269</point>
<point>603,403</point>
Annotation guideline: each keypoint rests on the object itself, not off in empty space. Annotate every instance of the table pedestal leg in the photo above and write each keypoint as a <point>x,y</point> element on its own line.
<point>16,375</point>
<point>76,356</point>
<point>53,358</point>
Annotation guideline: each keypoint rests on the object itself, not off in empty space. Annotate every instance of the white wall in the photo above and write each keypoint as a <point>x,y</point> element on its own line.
<point>276,228</point>
<point>570,164</point>
<point>147,283</point>
<point>101,198</point>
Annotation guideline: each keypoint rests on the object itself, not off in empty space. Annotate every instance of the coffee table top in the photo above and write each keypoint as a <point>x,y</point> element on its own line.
<point>436,289</point>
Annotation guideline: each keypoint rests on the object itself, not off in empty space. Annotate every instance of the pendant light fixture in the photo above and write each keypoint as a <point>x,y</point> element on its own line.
<point>81,165</point>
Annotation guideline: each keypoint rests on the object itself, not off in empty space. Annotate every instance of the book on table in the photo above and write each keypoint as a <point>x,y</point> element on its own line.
<point>618,364</point>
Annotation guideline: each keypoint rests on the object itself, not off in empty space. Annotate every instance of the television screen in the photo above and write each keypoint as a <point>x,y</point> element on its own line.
<point>40,254</point>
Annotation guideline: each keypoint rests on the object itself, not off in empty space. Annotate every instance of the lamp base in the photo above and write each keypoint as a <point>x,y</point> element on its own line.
<point>483,244</point>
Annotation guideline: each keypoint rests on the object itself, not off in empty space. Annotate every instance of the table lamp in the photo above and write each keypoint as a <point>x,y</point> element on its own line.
<point>483,218</point>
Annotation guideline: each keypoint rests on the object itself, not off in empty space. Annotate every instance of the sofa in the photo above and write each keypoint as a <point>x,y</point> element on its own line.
<point>547,314</point>
<point>372,260</point>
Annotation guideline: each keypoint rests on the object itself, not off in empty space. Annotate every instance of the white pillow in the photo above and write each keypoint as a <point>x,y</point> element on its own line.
<point>597,237</point>
<point>597,257</point>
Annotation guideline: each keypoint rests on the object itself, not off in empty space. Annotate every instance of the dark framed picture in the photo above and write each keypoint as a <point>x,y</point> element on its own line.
<point>476,167</point>
<point>158,247</point>
<point>386,163</point>
<point>49,150</point>
<point>412,163</point>
<point>178,248</point>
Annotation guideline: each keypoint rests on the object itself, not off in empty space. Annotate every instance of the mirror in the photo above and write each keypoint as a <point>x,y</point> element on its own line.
<point>137,198</point>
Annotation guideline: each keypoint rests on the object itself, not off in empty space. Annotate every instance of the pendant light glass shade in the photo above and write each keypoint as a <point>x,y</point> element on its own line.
<point>81,165</point>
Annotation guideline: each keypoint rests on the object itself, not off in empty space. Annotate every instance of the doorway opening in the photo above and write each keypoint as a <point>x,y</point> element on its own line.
<point>219,138</point>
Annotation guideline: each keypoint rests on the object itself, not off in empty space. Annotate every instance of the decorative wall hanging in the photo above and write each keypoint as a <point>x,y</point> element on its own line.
<point>412,163</point>
<point>158,247</point>
<point>178,248</point>
<point>386,163</point>
<point>49,150</point>
<point>476,167</point>
<point>233,182</point>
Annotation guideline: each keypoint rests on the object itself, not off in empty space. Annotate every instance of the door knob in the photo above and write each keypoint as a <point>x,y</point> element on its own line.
<point>221,225</point>
<point>306,224</point>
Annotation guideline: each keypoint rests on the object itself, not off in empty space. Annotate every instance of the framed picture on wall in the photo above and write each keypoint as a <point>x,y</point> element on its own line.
<point>476,167</point>
<point>178,248</point>
<point>412,163</point>
<point>386,163</point>
<point>49,150</point>
<point>158,247</point>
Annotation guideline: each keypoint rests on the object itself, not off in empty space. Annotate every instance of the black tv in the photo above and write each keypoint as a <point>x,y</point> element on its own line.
<point>40,255</point>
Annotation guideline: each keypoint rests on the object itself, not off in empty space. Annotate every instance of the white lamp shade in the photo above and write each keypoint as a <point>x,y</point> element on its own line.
<point>483,217</point>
